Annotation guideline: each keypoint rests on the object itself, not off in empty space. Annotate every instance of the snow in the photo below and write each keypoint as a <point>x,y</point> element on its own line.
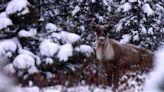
<point>125,7</point>
<point>150,31</point>
<point>49,60</point>
<point>143,29</point>
<point>7,46</point>
<point>51,27</point>
<point>93,1</point>
<point>9,69</point>
<point>56,35</point>
<point>3,15</point>
<point>4,22</point>
<point>147,9</point>
<point>132,1</point>
<point>59,88</point>
<point>76,10</point>
<point>125,38</point>
<point>31,33</point>
<point>5,83</point>
<point>155,81</point>
<point>32,70</point>
<point>69,37</point>
<point>48,48</point>
<point>24,61</point>
<point>65,52</point>
<point>15,6</point>
<point>105,2</point>
<point>86,49</point>
<point>118,27</point>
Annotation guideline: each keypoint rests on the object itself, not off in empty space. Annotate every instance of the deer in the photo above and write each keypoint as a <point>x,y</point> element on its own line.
<point>117,58</point>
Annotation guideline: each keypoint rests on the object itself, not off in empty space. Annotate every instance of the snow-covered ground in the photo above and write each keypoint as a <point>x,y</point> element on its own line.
<point>60,88</point>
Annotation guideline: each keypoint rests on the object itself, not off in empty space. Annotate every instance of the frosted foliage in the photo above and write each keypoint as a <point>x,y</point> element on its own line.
<point>32,70</point>
<point>51,27</point>
<point>143,29</point>
<point>69,37</point>
<point>105,2</point>
<point>5,22</point>
<point>125,7</point>
<point>118,27</point>
<point>3,15</point>
<point>48,48</point>
<point>155,82</point>
<point>7,46</point>
<point>24,61</point>
<point>56,35</point>
<point>16,6</point>
<point>65,52</point>
<point>30,33</point>
<point>9,69</point>
<point>147,9</point>
<point>59,88</point>
<point>86,49</point>
<point>132,1</point>
<point>93,1</point>
<point>76,10</point>
<point>49,60</point>
<point>125,38</point>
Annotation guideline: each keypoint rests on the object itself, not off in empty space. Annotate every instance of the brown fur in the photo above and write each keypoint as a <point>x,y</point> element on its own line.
<point>123,57</point>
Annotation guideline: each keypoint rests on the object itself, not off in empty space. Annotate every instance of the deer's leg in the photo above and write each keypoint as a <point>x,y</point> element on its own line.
<point>115,80</point>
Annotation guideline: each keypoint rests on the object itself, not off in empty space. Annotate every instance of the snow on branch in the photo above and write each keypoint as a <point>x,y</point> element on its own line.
<point>5,22</point>
<point>31,33</point>
<point>51,27</point>
<point>16,6</point>
<point>48,48</point>
<point>124,7</point>
<point>147,9</point>
<point>65,52</point>
<point>7,46</point>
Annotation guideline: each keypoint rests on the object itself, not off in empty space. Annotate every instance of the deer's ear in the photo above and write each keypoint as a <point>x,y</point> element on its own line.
<point>94,27</point>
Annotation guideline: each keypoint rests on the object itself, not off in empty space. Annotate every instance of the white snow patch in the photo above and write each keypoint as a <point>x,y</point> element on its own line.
<point>5,83</point>
<point>143,29</point>
<point>7,46</point>
<point>33,69</point>
<point>125,38</point>
<point>93,1</point>
<point>86,49</point>
<point>31,33</point>
<point>132,1</point>
<point>48,48</point>
<point>150,31</point>
<point>125,7</point>
<point>76,10</point>
<point>51,27</point>
<point>24,61</point>
<point>56,35</point>
<point>105,2</point>
<point>16,6</point>
<point>5,22</point>
<point>27,52</point>
<point>155,82</point>
<point>49,60</point>
<point>3,15</point>
<point>69,37</point>
<point>65,52</point>
<point>147,9</point>
<point>9,69</point>
<point>118,27</point>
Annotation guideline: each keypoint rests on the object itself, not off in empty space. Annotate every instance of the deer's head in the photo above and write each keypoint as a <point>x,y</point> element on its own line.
<point>102,32</point>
